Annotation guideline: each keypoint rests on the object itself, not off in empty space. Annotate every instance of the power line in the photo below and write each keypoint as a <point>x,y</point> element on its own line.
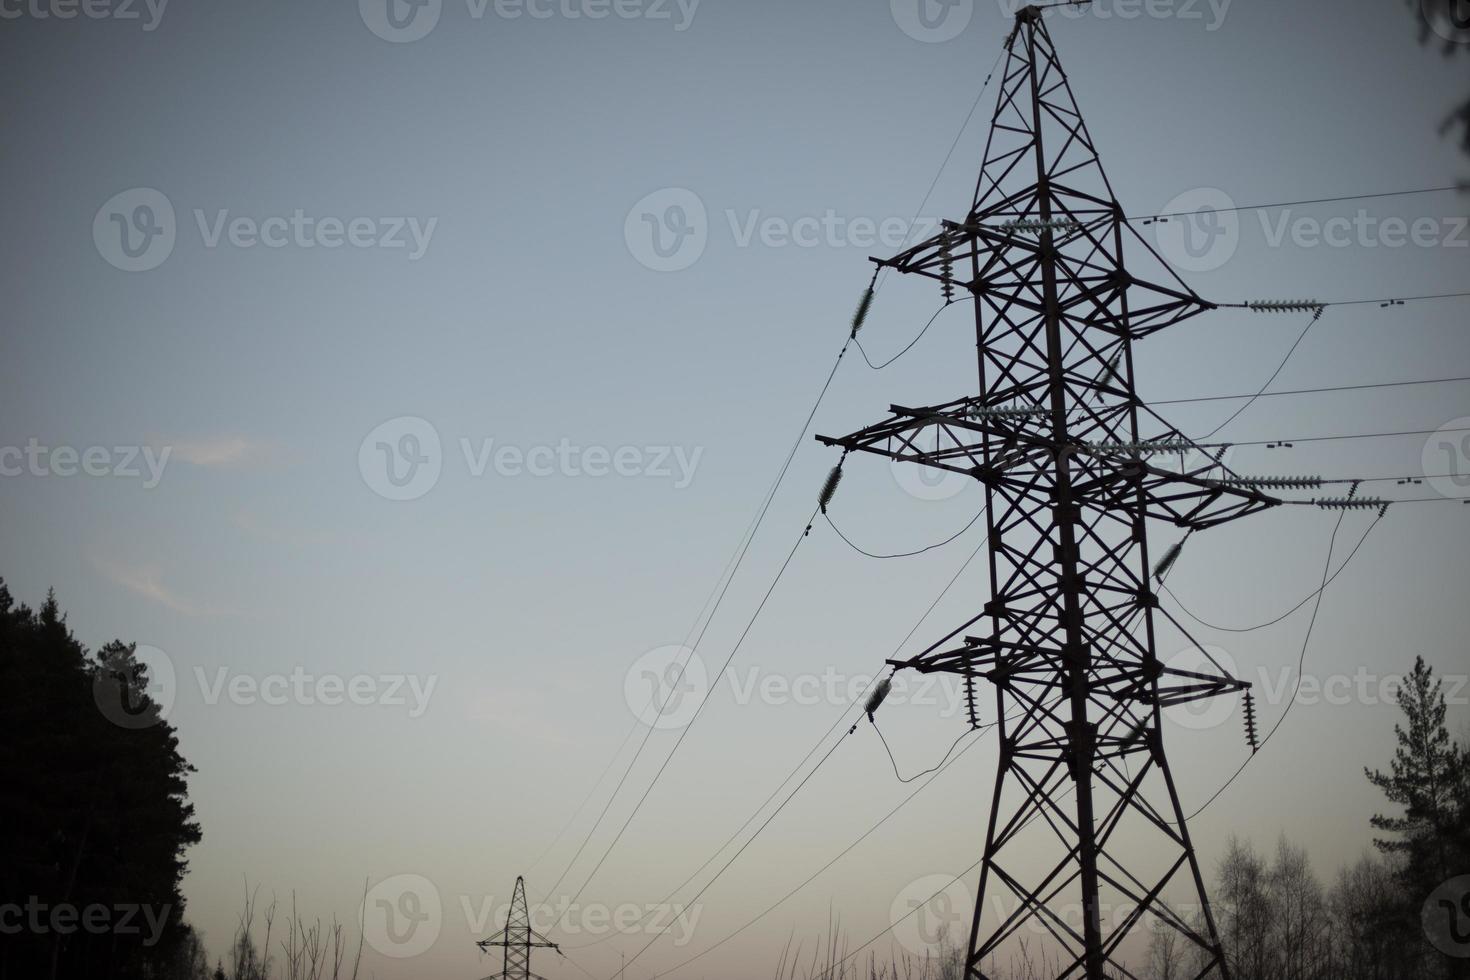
<point>585,800</point>
<point>1404,478</point>
<point>1301,663</point>
<point>1272,622</point>
<point>1292,204</point>
<point>916,775</point>
<point>918,905</point>
<point>786,465</point>
<point>907,347</point>
<point>739,559</point>
<point>905,554</point>
<point>1292,350</point>
<point>1332,438</point>
<point>1395,299</point>
<point>1380,300</point>
<point>840,720</point>
<point>947,156</point>
<point>698,710</point>
<point>730,564</point>
<point>816,874</point>
<point>750,840</point>
<point>1302,391</point>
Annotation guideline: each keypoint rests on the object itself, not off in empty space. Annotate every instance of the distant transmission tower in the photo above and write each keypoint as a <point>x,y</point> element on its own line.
<point>518,939</point>
<point>1055,436</point>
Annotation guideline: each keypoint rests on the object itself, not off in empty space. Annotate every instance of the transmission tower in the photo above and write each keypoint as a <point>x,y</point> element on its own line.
<point>1056,436</point>
<point>518,939</point>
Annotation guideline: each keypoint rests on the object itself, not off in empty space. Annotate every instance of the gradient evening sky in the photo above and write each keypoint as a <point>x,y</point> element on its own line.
<point>529,319</point>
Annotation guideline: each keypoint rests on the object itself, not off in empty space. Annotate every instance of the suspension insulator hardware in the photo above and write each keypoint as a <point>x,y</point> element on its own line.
<point>829,489</point>
<point>1250,722</point>
<point>1167,562</point>
<point>946,270</point>
<point>970,706</point>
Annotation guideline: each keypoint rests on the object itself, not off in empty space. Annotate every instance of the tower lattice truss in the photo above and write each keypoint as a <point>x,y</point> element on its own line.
<point>1085,834</point>
<point>517,939</point>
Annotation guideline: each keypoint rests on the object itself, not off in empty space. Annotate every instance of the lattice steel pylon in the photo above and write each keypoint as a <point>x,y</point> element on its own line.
<point>518,939</point>
<point>1068,635</point>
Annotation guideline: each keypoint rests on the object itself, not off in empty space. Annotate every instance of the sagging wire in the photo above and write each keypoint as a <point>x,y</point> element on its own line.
<point>919,775</point>
<point>1301,663</point>
<point>1308,598</point>
<point>1316,315</point>
<point>907,347</point>
<point>903,554</point>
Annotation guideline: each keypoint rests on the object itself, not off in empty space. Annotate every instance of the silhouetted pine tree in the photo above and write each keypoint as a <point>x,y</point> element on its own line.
<point>94,816</point>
